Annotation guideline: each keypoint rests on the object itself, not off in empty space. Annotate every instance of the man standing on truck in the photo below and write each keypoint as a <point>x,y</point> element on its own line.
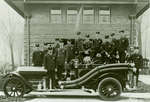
<point>37,59</point>
<point>79,47</point>
<point>49,64</point>
<point>60,55</point>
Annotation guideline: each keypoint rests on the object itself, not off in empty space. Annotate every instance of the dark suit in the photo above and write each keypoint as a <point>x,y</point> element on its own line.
<point>37,59</point>
<point>138,60</point>
<point>44,52</point>
<point>87,44</point>
<point>69,52</point>
<point>78,45</point>
<point>60,61</point>
<point>49,64</point>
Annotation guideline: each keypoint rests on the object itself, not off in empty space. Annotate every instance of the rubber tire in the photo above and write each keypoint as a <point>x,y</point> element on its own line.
<point>7,81</point>
<point>116,82</point>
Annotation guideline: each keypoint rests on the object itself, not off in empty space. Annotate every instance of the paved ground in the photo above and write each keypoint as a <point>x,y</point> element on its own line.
<point>145,79</point>
<point>80,96</point>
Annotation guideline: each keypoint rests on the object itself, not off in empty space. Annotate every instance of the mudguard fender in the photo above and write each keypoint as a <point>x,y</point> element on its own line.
<point>114,75</point>
<point>108,74</point>
<point>15,74</point>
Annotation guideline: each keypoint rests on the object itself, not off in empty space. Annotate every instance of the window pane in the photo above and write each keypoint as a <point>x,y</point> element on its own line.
<point>71,19</point>
<point>104,19</point>
<point>55,11</point>
<point>72,12</point>
<point>104,16</point>
<point>88,16</point>
<point>56,19</point>
<point>88,19</point>
<point>88,12</point>
<point>104,12</point>
<point>71,16</point>
<point>56,16</point>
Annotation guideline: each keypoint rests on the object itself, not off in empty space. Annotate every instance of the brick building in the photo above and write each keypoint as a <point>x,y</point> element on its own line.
<point>46,20</point>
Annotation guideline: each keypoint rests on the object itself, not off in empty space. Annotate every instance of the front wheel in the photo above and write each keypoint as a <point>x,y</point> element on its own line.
<point>109,89</point>
<point>14,87</point>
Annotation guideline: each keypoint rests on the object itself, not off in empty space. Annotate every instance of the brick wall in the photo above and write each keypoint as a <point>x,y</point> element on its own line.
<point>42,31</point>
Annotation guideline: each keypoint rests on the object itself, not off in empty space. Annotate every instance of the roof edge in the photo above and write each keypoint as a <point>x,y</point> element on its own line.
<point>10,3</point>
<point>143,10</point>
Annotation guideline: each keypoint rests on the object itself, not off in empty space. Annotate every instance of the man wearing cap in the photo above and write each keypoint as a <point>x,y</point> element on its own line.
<point>79,47</point>
<point>124,43</point>
<point>44,52</point>
<point>69,56</point>
<point>37,59</point>
<point>137,59</point>
<point>49,64</point>
<point>60,54</point>
<point>69,51</point>
<point>96,44</point>
<point>78,43</point>
<point>87,43</point>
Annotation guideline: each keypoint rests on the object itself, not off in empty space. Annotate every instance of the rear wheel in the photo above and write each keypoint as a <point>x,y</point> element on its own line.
<point>109,89</point>
<point>14,87</point>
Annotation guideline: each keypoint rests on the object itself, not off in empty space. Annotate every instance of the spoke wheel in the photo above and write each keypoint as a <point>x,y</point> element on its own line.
<point>109,89</point>
<point>14,87</point>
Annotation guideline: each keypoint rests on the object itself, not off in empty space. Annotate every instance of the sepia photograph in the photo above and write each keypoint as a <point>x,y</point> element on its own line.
<point>74,51</point>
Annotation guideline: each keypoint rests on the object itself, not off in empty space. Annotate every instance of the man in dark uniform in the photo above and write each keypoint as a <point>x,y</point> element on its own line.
<point>137,59</point>
<point>49,64</point>
<point>96,45</point>
<point>56,45</point>
<point>44,52</point>
<point>45,48</point>
<point>79,43</point>
<point>79,47</point>
<point>124,43</point>
<point>60,54</point>
<point>87,43</point>
<point>37,58</point>
<point>107,48</point>
<point>70,54</point>
<point>69,51</point>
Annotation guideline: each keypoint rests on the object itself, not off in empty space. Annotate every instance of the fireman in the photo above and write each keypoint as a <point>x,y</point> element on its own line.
<point>49,64</point>
<point>60,54</point>
<point>87,43</point>
<point>138,60</point>
<point>79,47</point>
<point>69,51</point>
<point>37,59</point>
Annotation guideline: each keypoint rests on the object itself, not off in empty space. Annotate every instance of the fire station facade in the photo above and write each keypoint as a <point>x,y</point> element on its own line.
<point>46,20</point>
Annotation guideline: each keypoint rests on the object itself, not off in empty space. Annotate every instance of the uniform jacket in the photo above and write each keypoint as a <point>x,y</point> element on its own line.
<point>60,54</point>
<point>49,62</point>
<point>37,58</point>
<point>87,44</point>
<point>79,44</point>
<point>69,52</point>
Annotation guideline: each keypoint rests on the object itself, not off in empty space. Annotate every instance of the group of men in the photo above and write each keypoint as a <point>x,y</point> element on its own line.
<point>55,56</point>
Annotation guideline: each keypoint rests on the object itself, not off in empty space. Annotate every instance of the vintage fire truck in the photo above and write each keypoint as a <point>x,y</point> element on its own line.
<point>108,80</point>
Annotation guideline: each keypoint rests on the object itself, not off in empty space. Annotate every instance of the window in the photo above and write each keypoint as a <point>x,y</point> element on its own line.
<point>72,15</point>
<point>88,16</point>
<point>104,16</point>
<point>56,16</point>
